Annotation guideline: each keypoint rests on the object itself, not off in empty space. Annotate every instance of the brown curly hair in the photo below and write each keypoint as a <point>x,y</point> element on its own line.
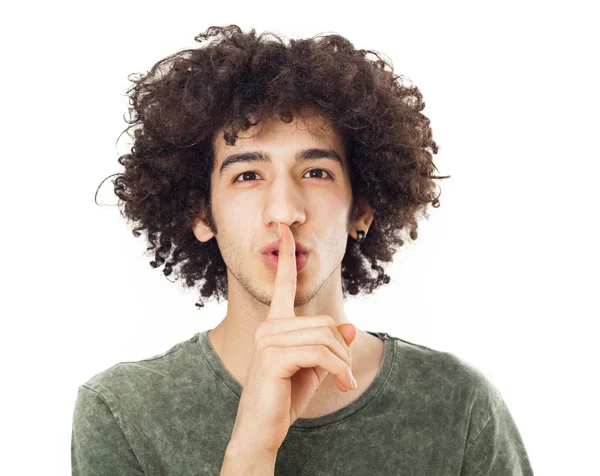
<point>234,82</point>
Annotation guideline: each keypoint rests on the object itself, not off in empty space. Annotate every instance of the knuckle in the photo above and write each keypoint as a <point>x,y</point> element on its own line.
<point>264,329</point>
<point>261,327</point>
<point>327,320</point>
<point>266,355</point>
<point>323,352</point>
<point>262,343</point>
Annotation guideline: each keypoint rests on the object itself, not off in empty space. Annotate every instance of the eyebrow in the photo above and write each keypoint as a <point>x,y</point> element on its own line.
<point>261,156</point>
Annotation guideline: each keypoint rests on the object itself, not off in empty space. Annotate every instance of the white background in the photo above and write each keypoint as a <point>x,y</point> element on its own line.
<point>502,275</point>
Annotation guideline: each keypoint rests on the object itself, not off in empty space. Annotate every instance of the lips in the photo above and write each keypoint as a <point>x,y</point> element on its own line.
<point>274,246</point>
<point>272,261</point>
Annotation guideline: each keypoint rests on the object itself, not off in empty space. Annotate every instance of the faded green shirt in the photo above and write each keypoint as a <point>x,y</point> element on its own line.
<point>426,413</point>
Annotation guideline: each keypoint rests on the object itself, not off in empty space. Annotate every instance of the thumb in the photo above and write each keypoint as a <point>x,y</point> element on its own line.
<point>348,332</point>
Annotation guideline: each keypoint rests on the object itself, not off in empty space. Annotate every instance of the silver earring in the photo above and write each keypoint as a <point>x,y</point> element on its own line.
<point>361,236</point>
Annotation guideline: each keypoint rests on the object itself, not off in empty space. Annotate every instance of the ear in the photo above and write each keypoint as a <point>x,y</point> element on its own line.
<point>365,217</point>
<point>202,231</point>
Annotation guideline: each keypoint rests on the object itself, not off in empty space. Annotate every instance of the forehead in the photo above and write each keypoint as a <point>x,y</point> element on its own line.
<point>305,130</point>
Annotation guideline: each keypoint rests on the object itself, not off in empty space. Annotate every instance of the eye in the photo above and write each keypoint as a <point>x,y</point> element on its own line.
<point>250,172</point>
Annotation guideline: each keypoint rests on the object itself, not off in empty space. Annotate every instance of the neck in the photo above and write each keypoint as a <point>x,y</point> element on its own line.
<point>233,338</point>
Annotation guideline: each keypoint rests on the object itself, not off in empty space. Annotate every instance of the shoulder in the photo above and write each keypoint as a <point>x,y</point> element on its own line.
<point>134,376</point>
<point>447,374</point>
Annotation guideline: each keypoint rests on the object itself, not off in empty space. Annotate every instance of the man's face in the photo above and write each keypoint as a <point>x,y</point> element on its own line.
<point>312,196</point>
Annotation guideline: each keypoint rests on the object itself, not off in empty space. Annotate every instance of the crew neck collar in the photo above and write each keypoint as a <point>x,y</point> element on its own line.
<point>389,355</point>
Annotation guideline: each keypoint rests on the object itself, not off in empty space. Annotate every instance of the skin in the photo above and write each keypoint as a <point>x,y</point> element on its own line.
<point>246,216</point>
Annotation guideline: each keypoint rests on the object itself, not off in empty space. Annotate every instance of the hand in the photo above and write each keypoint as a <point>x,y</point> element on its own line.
<point>291,357</point>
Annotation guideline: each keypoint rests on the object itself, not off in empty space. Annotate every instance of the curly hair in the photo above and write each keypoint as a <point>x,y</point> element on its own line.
<point>232,83</point>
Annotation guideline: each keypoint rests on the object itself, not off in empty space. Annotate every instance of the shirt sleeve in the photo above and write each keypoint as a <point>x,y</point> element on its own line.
<point>98,445</point>
<point>498,449</point>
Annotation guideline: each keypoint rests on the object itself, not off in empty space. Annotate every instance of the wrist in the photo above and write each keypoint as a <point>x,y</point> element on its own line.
<point>244,448</point>
<point>241,458</point>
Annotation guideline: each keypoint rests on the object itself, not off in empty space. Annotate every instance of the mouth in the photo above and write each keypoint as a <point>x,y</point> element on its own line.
<point>276,253</point>
<point>272,260</point>
<point>299,247</point>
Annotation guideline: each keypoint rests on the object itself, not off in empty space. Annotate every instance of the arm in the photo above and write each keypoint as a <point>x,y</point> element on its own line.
<point>98,445</point>
<point>241,459</point>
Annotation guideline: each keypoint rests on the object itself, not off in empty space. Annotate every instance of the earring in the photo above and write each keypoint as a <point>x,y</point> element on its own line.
<point>361,236</point>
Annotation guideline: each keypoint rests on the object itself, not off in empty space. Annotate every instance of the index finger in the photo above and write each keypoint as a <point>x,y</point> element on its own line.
<point>284,294</point>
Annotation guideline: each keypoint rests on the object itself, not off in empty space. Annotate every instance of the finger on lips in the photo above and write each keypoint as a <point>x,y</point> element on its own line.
<point>284,295</point>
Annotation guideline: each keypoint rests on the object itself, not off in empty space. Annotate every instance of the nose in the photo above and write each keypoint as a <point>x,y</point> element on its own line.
<point>285,204</point>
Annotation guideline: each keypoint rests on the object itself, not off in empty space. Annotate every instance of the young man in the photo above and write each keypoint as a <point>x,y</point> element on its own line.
<point>291,187</point>
<point>248,147</point>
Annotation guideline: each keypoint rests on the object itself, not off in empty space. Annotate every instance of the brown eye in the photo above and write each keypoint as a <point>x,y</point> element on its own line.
<point>254,173</point>
<point>319,170</point>
<point>244,173</point>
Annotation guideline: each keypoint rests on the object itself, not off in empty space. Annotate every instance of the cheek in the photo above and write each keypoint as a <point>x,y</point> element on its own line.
<point>328,206</point>
<point>236,209</point>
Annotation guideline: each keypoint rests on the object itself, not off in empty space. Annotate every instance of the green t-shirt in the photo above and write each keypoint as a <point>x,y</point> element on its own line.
<point>426,413</point>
